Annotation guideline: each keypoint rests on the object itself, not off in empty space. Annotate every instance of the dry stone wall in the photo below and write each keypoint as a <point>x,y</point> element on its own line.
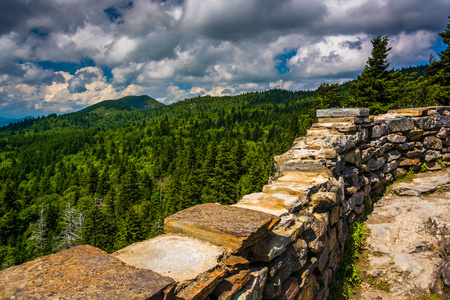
<point>287,242</point>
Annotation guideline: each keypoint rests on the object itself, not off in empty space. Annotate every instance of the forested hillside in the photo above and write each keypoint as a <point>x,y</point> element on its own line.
<point>109,180</point>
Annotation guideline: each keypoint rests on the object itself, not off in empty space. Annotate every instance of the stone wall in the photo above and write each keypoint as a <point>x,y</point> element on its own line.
<point>287,242</point>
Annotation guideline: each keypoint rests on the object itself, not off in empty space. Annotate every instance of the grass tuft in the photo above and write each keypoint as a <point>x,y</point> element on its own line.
<point>348,278</point>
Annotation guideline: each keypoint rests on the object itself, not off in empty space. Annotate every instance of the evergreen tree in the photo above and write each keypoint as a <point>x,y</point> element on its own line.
<point>329,96</point>
<point>224,179</point>
<point>371,89</point>
<point>438,73</point>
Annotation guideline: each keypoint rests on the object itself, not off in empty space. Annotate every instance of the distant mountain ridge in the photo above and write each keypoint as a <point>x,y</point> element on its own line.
<point>7,121</point>
<point>127,103</point>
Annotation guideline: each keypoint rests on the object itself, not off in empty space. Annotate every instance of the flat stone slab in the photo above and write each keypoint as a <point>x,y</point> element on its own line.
<point>306,178</point>
<point>342,112</point>
<point>408,235</point>
<point>228,226</point>
<point>424,183</point>
<point>180,257</point>
<point>82,272</point>
<point>291,188</point>
<point>276,204</point>
<point>417,112</point>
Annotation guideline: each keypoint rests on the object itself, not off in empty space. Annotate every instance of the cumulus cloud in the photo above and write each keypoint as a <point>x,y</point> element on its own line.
<point>176,49</point>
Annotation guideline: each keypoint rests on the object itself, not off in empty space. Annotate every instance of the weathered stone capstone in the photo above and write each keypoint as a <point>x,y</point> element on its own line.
<point>82,272</point>
<point>179,257</point>
<point>228,226</point>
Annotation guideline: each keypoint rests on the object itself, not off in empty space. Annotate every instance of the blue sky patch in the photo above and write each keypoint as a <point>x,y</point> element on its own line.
<point>281,60</point>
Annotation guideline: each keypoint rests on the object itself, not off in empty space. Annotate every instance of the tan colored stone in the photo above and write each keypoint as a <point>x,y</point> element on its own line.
<point>339,126</point>
<point>340,119</point>
<point>323,200</point>
<point>82,272</point>
<point>422,111</point>
<point>203,286</point>
<point>230,285</point>
<point>180,257</point>
<point>234,263</point>
<point>276,204</point>
<point>409,162</point>
<point>285,187</point>
<point>229,226</point>
<point>321,177</point>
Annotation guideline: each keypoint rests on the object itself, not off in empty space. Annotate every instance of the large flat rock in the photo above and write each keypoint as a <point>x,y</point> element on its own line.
<point>291,188</point>
<point>229,226</point>
<point>342,112</point>
<point>276,204</point>
<point>424,183</point>
<point>408,236</point>
<point>82,272</point>
<point>180,257</point>
<point>307,178</point>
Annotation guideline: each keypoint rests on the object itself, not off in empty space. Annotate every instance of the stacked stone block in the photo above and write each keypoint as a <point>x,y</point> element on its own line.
<point>287,242</point>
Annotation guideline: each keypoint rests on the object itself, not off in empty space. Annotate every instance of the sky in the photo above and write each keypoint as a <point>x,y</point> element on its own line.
<point>58,56</point>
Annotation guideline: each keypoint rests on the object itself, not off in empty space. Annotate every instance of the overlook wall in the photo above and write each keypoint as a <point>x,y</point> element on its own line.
<point>286,242</point>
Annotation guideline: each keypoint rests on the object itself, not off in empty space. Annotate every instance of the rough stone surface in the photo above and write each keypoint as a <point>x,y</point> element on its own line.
<point>443,132</point>
<point>292,260</point>
<point>400,124</point>
<point>276,204</point>
<point>180,257</point>
<point>229,226</point>
<point>323,200</point>
<point>203,286</point>
<point>396,138</point>
<point>230,285</point>
<point>310,287</point>
<point>82,272</point>
<point>431,142</point>
<point>379,130</point>
<point>253,290</point>
<point>423,184</point>
<point>407,237</point>
<point>420,111</point>
<point>414,135</point>
<point>276,242</point>
<point>289,289</point>
<point>342,112</point>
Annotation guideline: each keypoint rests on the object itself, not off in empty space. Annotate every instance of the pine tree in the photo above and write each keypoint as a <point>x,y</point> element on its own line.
<point>438,73</point>
<point>329,96</point>
<point>371,89</point>
<point>224,179</point>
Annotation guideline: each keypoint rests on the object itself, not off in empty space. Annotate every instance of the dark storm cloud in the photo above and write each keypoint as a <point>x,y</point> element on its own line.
<point>386,17</point>
<point>235,20</point>
<point>190,47</point>
<point>353,44</point>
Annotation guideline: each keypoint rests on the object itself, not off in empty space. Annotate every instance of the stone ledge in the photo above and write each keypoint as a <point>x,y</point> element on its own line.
<point>228,226</point>
<point>342,112</point>
<point>179,257</point>
<point>82,272</point>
